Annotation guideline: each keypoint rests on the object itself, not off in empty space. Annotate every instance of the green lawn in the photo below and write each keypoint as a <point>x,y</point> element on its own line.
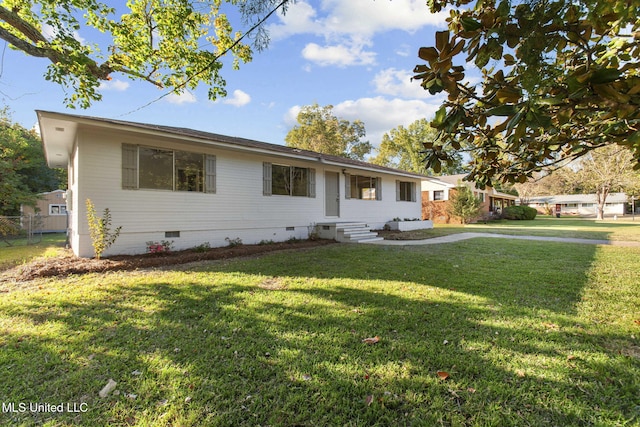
<point>526,334</point>
<point>20,252</point>
<point>545,226</point>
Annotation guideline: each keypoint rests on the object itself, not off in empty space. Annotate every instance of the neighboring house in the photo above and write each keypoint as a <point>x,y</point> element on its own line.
<point>580,204</point>
<point>50,212</point>
<point>192,187</point>
<point>436,192</point>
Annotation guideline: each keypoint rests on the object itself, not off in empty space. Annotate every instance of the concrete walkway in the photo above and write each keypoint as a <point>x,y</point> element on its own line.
<point>465,236</point>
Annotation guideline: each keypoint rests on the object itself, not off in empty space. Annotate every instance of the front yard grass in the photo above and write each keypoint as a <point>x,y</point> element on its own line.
<point>473,333</point>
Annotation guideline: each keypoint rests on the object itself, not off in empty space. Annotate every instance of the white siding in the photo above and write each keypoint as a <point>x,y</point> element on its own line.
<point>238,209</point>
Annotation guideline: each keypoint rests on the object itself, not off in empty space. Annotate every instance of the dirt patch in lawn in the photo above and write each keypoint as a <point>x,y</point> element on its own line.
<point>69,264</point>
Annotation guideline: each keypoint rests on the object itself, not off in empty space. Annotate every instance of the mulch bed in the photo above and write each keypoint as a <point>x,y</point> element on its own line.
<point>69,264</point>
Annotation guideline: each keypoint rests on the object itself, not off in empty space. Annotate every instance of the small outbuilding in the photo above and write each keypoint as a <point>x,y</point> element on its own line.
<point>49,212</point>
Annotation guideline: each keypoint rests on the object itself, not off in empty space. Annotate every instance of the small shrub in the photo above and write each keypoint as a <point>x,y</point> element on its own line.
<point>158,248</point>
<point>266,242</point>
<point>463,204</point>
<point>519,212</point>
<point>100,229</point>
<point>314,233</point>
<point>203,247</point>
<point>234,242</point>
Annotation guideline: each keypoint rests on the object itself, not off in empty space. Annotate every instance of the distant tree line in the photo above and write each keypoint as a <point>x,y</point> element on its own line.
<point>319,129</point>
<point>23,170</point>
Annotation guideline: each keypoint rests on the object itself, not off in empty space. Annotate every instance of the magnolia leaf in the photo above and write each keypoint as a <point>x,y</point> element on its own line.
<point>441,114</point>
<point>503,110</point>
<point>509,60</point>
<point>508,95</point>
<point>428,54</point>
<point>442,40</point>
<point>470,24</point>
<point>457,48</point>
<point>605,75</point>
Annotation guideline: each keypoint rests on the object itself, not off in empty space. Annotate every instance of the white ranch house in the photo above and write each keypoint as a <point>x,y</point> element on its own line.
<point>580,204</point>
<point>191,187</point>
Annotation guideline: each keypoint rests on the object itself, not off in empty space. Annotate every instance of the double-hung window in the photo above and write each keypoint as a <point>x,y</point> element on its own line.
<point>164,169</point>
<point>405,191</point>
<point>363,187</point>
<point>285,180</point>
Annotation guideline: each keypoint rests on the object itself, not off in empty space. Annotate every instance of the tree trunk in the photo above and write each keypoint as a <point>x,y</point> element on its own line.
<point>601,197</point>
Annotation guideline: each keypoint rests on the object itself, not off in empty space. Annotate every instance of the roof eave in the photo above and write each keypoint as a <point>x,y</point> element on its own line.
<point>58,148</point>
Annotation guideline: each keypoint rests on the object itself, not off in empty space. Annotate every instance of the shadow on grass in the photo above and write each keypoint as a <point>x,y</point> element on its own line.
<point>278,341</point>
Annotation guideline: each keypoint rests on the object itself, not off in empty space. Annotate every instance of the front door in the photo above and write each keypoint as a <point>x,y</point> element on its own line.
<point>332,193</point>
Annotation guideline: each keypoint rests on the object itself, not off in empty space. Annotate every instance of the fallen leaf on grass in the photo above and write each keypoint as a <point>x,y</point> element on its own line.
<point>370,341</point>
<point>443,375</point>
<point>369,400</point>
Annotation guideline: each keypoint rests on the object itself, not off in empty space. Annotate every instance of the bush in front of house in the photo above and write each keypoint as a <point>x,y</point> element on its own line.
<point>519,212</point>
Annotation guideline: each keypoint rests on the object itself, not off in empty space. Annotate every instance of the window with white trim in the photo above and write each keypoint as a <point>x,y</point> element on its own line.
<point>438,195</point>
<point>163,169</point>
<point>57,209</point>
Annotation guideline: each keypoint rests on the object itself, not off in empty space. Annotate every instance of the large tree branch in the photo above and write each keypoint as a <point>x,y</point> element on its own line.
<point>27,47</point>
<point>24,27</point>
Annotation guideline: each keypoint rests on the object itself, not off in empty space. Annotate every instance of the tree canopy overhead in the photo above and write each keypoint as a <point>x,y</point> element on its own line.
<point>559,79</point>
<point>319,130</point>
<point>173,44</point>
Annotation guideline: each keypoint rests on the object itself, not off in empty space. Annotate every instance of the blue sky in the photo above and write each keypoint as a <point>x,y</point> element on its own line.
<point>357,55</point>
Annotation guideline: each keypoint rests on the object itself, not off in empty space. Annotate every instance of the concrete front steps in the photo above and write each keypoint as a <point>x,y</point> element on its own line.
<point>347,232</point>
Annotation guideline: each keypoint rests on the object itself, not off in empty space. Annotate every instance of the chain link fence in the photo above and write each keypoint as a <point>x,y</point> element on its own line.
<point>21,230</point>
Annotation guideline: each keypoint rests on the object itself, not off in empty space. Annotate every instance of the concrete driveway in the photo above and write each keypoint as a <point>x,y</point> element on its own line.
<point>465,236</point>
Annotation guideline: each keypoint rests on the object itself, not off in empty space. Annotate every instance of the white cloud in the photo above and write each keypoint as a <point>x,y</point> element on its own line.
<point>115,85</point>
<point>378,114</point>
<point>362,18</point>
<point>238,99</point>
<point>291,116</point>
<point>299,19</point>
<point>347,27</point>
<point>368,17</point>
<point>341,55</point>
<point>381,114</point>
<point>183,98</point>
<point>398,83</point>
<point>403,50</point>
